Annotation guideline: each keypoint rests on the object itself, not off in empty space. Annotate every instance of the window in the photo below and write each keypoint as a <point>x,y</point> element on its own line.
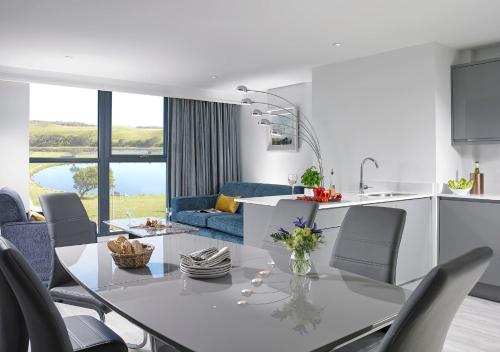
<point>137,189</point>
<point>66,177</point>
<point>79,137</point>
<point>63,122</point>
<point>137,124</point>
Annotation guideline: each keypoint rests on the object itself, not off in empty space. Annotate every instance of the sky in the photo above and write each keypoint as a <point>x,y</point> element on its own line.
<point>59,103</point>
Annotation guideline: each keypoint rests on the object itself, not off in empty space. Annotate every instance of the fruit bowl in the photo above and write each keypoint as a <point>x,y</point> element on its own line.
<point>460,192</point>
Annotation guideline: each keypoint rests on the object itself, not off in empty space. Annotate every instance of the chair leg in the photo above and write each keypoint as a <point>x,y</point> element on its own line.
<point>140,345</point>
<point>102,317</point>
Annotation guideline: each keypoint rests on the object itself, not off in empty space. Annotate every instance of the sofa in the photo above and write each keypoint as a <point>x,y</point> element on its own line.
<point>30,237</point>
<point>223,226</point>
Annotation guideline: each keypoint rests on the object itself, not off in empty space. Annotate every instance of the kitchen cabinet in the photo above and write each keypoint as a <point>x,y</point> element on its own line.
<point>465,224</point>
<point>476,102</point>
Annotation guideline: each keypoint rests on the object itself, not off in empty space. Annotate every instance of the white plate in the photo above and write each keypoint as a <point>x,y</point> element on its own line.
<point>212,276</point>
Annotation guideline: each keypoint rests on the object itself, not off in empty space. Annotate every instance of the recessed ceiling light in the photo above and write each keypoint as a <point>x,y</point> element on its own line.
<point>68,56</point>
<point>337,44</point>
<point>214,77</point>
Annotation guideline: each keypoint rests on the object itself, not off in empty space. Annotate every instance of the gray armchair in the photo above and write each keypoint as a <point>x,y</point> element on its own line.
<point>31,238</point>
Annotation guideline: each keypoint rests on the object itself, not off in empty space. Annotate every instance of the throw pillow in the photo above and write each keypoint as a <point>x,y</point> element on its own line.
<point>227,204</point>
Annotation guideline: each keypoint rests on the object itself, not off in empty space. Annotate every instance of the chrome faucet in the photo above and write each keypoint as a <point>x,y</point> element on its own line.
<point>362,185</point>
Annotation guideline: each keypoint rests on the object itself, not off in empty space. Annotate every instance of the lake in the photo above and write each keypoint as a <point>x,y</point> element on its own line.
<point>130,178</point>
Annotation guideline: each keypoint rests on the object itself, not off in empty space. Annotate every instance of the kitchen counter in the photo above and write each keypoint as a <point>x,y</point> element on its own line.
<point>484,197</point>
<point>348,199</point>
<point>417,248</point>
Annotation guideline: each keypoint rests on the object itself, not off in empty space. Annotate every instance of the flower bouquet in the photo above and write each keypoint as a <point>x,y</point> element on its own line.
<point>301,241</point>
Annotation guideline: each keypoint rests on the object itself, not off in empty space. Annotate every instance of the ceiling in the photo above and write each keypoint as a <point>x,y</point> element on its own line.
<point>262,43</point>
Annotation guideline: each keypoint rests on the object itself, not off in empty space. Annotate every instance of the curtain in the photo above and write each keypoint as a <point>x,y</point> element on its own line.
<point>203,146</point>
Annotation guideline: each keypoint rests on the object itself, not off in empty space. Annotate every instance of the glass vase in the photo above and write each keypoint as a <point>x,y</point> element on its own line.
<point>300,263</point>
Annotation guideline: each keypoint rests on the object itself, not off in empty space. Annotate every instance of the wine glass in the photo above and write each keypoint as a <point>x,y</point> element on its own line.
<point>292,180</point>
<point>168,214</point>
<point>129,215</point>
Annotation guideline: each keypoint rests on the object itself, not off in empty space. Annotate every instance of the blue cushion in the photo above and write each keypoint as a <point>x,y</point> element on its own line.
<point>230,223</point>
<point>194,218</point>
<point>11,207</point>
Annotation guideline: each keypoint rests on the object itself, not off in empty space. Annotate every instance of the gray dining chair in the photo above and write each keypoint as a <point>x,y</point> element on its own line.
<point>284,214</point>
<point>13,332</point>
<point>368,242</point>
<point>35,315</point>
<point>69,225</point>
<point>424,320</point>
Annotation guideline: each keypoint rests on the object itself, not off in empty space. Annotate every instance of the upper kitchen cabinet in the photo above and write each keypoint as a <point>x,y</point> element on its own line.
<point>476,102</point>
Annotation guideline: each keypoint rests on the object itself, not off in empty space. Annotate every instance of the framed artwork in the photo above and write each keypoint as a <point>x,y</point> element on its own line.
<point>283,131</point>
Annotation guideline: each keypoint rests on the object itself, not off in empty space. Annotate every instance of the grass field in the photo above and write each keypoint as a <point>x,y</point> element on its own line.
<point>124,138</point>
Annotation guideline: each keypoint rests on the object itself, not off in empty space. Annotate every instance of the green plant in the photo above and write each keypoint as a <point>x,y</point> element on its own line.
<point>311,177</point>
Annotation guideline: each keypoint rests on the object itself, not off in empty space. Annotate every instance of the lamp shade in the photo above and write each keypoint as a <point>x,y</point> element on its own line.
<point>243,89</point>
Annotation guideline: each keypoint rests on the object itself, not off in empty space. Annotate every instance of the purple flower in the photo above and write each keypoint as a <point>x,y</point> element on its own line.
<point>315,229</point>
<point>283,230</point>
<point>300,222</point>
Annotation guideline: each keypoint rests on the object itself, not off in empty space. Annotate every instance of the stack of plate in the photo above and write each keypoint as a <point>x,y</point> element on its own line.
<point>206,264</point>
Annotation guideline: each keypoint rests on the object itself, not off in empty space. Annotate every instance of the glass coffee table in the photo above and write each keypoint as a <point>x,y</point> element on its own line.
<point>136,228</point>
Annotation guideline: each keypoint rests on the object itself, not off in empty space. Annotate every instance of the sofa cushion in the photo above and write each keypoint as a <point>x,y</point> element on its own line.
<point>11,207</point>
<point>194,218</point>
<point>230,223</point>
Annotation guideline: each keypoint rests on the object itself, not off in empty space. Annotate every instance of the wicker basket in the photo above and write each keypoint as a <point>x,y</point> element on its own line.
<point>133,261</point>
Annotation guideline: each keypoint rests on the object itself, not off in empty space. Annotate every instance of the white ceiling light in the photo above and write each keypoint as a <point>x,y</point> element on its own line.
<point>337,44</point>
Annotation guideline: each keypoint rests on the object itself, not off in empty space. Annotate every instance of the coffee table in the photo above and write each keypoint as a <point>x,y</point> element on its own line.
<point>135,230</point>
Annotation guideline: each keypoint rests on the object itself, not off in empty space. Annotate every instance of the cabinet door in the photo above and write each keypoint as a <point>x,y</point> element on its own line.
<point>465,225</point>
<point>476,102</point>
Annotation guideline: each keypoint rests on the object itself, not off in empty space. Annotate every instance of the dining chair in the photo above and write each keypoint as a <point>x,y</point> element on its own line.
<point>424,320</point>
<point>368,242</point>
<point>69,225</point>
<point>13,332</point>
<point>35,314</point>
<point>284,214</point>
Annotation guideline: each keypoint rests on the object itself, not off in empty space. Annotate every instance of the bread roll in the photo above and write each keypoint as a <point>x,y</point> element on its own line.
<point>114,247</point>
<point>121,239</point>
<point>126,247</point>
<point>137,247</point>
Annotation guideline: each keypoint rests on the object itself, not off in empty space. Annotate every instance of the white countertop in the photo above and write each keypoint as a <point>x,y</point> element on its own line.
<point>348,199</point>
<point>486,196</point>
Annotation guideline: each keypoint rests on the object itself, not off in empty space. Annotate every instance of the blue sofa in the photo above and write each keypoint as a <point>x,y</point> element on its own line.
<point>31,238</point>
<point>224,226</point>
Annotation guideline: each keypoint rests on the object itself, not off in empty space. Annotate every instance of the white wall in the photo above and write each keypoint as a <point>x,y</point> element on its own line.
<point>261,165</point>
<point>448,158</point>
<point>14,137</point>
<point>381,106</point>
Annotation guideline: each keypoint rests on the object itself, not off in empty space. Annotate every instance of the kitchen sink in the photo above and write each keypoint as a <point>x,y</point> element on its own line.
<point>389,194</point>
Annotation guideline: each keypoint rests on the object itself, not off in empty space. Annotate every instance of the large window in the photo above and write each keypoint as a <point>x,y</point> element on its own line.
<point>107,147</point>
<point>63,121</point>
<point>137,124</point>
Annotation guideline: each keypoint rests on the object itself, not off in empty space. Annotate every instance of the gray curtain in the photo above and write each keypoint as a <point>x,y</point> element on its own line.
<point>203,146</point>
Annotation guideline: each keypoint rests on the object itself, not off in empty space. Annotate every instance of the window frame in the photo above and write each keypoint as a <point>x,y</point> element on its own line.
<point>105,156</point>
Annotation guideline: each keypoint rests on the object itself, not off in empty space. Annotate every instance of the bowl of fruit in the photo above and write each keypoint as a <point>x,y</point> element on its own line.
<point>461,187</point>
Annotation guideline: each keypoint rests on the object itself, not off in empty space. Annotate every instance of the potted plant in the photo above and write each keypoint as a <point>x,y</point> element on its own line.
<point>311,179</point>
<point>301,241</point>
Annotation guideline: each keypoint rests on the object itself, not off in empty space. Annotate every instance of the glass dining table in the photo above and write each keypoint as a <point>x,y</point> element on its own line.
<point>259,306</point>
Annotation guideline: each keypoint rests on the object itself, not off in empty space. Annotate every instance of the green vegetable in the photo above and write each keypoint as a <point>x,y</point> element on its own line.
<point>311,178</point>
<point>460,184</point>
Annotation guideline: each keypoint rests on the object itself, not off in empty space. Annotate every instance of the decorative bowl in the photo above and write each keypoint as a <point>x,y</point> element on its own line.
<point>460,192</point>
<point>133,261</point>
